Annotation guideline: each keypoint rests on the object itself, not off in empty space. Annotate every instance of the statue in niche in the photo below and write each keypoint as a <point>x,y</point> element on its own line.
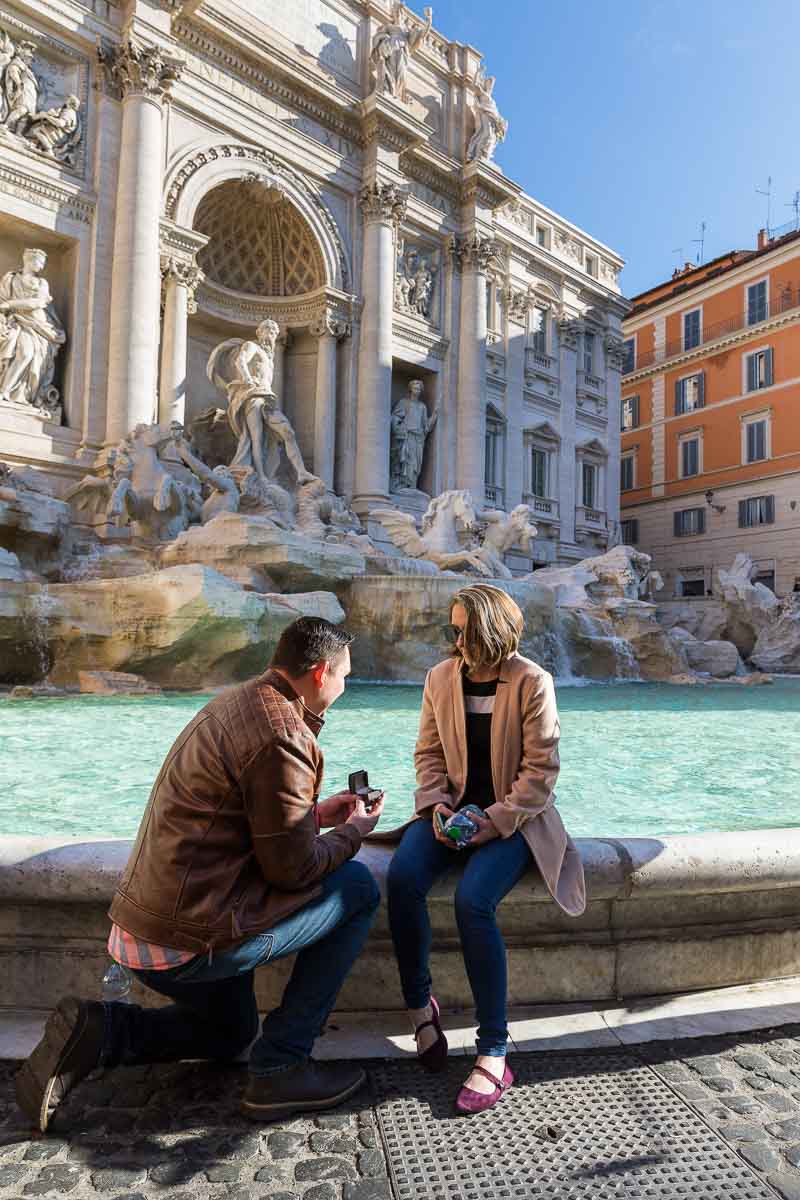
<point>490,127</point>
<point>415,278</point>
<point>31,336</point>
<point>392,47</point>
<point>410,427</point>
<point>55,132</point>
<point>253,413</point>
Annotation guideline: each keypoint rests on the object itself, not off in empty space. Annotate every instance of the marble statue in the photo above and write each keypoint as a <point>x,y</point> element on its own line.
<point>30,337</point>
<point>439,540</point>
<point>490,127</point>
<point>221,488</point>
<point>415,282</point>
<point>410,428</point>
<point>504,531</point>
<point>323,516</point>
<point>55,132</point>
<point>392,46</point>
<point>253,413</point>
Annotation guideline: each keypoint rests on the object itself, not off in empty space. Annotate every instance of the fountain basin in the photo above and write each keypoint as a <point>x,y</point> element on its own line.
<point>665,915</point>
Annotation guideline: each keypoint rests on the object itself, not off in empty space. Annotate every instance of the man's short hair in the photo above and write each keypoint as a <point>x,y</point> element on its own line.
<point>308,641</point>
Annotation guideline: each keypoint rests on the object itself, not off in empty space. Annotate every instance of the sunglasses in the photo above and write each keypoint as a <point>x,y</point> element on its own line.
<point>452,633</point>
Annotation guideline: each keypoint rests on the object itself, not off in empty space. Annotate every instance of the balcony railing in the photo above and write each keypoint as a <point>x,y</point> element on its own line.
<point>537,360</point>
<point>788,299</point>
<point>589,516</point>
<point>494,495</point>
<point>546,510</point>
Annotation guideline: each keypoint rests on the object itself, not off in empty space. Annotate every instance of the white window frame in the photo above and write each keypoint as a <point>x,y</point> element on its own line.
<point>632,457</point>
<point>547,323</point>
<point>752,419</point>
<point>690,435</point>
<point>755,283</point>
<point>544,245</point>
<point>499,425</point>
<point>590,370</point>
<point>689,508</point>
<point>623,402</point>
<point>594,506</point>
<point>749,354</point>
<point>590,265</point>
<point>681,379</point>
<point>688,313</point>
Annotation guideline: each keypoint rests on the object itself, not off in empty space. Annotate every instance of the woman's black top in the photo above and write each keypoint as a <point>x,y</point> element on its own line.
<point>479,706</point>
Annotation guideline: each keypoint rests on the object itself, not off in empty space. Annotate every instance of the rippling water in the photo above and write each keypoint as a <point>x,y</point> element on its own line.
<point>636,758</point>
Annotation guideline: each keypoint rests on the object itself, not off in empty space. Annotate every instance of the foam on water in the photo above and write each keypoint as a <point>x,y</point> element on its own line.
<point>637,759</point>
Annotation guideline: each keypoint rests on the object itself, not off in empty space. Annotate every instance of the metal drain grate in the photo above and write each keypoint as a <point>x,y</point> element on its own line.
<point>625,1135</point>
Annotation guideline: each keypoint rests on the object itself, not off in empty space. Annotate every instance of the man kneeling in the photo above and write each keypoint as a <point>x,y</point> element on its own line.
<point>229,871</point>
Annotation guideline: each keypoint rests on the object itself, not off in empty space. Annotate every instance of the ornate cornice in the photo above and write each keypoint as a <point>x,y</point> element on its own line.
<point>414,333</point>
<point>188,274</point>
<point>138,70</point>
<point>383,202</point>
<point>46,194</point>
<point>474,251</point>
<point>569,330</point>
<point>327,325</point>
<point>290,312</point>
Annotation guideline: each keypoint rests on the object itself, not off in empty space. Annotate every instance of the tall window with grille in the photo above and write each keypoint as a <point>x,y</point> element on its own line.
<point>691,329</point>
<point>689,451</point>
<point>629,531</point>
<point>627,472</point>
<point>630,413</point>
<point>539,319</point>
<point>629,351</point>
<point>759,369</point>
<point>589,485</point>
<point>756,510</point>
<point>688,522</point>
<point>495,458</point>
<point>689,393</point>
<point>757,302</point>
<point>539,471</point>
<point>588,353</point>
<point>756,440</point>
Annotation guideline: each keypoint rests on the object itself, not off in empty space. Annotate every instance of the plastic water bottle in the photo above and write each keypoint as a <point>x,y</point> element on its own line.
<point>116,984</point>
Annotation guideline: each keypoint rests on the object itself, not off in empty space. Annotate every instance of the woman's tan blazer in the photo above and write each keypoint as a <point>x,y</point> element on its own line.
<point>525,763</point>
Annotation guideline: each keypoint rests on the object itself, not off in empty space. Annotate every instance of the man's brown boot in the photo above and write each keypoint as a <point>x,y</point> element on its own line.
<point>70,1048</point>
<point>305,1088</point>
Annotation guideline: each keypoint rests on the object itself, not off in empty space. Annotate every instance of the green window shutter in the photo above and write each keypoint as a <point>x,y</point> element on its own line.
<point>676,524</point>
<point>752,373</point>
<point>701,389</point>
<point>678,397</point>
<point>768,369</point>
<point>769,515</point>
<point>743,522</point>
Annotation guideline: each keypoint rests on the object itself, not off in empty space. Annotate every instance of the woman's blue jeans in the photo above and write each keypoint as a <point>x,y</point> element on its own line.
<point>214,1013</point>
<point>490,872</point>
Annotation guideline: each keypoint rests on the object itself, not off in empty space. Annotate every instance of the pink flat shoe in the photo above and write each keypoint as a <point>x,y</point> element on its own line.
<point>469,1101</point>
<point>434,1059</point>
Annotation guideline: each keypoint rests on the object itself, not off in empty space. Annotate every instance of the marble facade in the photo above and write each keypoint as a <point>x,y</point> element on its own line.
<point>329,167</point>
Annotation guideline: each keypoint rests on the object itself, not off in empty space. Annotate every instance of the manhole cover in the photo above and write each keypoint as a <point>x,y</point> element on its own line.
<point>624,1134</point>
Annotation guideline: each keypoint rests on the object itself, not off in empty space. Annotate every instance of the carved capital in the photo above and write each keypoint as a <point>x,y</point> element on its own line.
<point>187,274</point>
<point>518,303</point>
<point>615,351</point>
<point>474,251</point>
<point>138,70</point>
<point>569,330</point>
<point>328,325</point>
<point>383,202</point>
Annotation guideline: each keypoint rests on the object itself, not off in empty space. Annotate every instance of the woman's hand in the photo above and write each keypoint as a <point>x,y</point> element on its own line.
<point>440,837</point>
<point>486,831</point>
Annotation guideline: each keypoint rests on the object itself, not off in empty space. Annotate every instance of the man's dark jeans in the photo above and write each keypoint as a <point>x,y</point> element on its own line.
<point>215,1015</point>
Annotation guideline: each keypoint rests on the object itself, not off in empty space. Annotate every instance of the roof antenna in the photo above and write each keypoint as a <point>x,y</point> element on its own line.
<point>701,242</point>
<point>795,204</point>
<point>768,194</point>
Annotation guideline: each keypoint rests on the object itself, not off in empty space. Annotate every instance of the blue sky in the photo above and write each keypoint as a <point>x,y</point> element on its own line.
<point>638,119</point>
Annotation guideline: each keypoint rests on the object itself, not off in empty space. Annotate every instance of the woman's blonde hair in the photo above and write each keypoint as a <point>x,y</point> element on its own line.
<point>494,624</point>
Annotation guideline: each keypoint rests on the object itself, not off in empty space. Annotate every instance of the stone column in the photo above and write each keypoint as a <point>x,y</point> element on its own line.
<point>327,331</point>
<point>569,485</point>
<point>518,303</point>
<point>180,281</point>
<point>472,255</point>
<point>383,206</point>
<point>144,75</point>
<point>282,344</point>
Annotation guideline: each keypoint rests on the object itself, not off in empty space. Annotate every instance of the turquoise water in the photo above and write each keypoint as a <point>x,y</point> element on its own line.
<point>637,759</point>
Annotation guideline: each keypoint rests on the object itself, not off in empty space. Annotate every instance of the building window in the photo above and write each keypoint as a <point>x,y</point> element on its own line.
<point>589,488</point>
<point>765,577</point>
<point>757,302</point>
<point>591,265</point>
<point>688,522</point>
<point>629,531</point>
<point>627,472</point>
<point>691,329</point>
<point>630,413</point>
<point>689,393</point>
<point>758,510</point>
<point>539,465</point>
<point>755,438</point>
<point>629,348</point>
<point>542,236</point>
<point>689,456</point>
<point>693,587</point>
<point>495,458</point>
<point>759,370</point>
<point>539,330</point>
<point>588,353</point>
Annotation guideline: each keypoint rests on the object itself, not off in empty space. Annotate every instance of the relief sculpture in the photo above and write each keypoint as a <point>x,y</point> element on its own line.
<point>55,132</point>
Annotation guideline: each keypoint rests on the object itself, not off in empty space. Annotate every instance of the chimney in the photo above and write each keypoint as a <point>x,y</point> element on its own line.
<point>763,238</point>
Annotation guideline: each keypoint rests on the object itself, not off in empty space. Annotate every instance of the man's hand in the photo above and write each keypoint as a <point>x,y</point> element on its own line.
<point>365,821</point>
<point>440,837</point>
<point>486,830</point>
<point>336,809</point>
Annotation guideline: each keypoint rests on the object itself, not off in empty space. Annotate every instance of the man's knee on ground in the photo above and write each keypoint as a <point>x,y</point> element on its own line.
<point>358,885</point>
<point>234,1041</point>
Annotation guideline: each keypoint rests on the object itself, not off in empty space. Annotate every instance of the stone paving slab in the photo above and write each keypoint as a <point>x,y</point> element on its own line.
<point>708,1117</point>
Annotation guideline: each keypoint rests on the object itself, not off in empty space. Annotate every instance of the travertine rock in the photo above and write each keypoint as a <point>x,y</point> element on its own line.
<point>778,644</point>
<point>704,619</point>
<point>32,523</point>
<point>716,658</point>
<point>750,607</point>
<point>10,569</point>
<point>115,683</point>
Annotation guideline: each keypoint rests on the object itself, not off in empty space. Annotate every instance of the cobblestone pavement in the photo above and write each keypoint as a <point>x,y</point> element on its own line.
<point>710,1117</point>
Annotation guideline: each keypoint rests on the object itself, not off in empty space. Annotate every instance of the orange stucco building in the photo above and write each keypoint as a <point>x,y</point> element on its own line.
<point>710,458</point>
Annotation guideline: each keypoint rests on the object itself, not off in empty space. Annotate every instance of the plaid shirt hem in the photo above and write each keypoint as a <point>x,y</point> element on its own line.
<point>127,950</point>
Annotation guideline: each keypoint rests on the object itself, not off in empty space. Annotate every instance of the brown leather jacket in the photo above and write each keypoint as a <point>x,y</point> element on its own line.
<point>229,843</point>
